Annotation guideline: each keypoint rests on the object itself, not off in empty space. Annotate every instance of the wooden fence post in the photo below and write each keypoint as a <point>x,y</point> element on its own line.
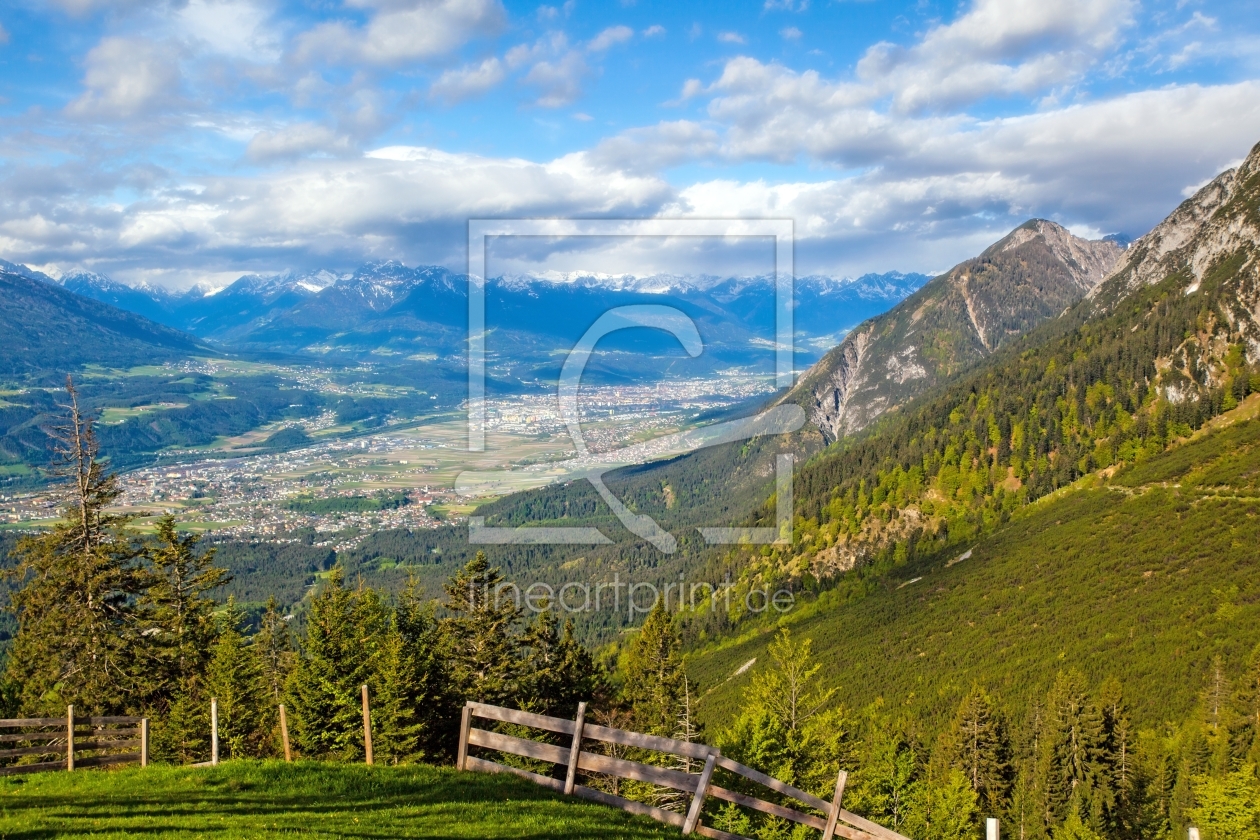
<point>214,731</point>
<point>465,723</point>
<point>570,779</point>
<point>834,816</point>
<point>697,801</point>
<point>367,726</point>
<point>144,742</point>
<point>70,737</point>
<point>991,829</point>
<point>284,734</point>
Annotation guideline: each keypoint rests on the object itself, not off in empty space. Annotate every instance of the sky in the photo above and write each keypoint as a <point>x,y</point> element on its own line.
<point>198,140</point>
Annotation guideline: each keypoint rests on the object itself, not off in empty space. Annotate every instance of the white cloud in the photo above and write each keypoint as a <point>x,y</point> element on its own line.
<point>654,31</point>
<point>468,81</point>
<point>786,5</point>
<point>4,35</point>
<point>610,37</point>
<point>731,38</point>
<point>790,33</point>
<point>652,148</point>
<point>295,141</point>
<point>236,28</point>
<point>402,31</point>
<point>557,68</point>
<point>581,117</point>
<point>126,77</point>
<point>999,47</point>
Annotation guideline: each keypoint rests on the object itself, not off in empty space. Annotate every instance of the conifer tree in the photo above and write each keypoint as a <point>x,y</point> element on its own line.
<point>77,635</point>
<point>977,746</point>
<point>654,674</point>
<point>482,633</point>
<point>1073,765</point>
<point>177,613</point>
<point>235,679</point>
<point>413,713</point>
<point>559,671</point>
<point>342,632</point>
<point>274,646</point>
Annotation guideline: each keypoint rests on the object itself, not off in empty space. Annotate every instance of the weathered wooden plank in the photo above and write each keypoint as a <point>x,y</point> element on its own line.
<point>626,769</point>
<point>697,799</point>
<point>43,749</point>
<point>774,784</point>
<point>32,736</point>
<point>8,723</point>
<point>517,746</point>
<point>658,814</point>
<point>833,815</point>
<point>705,831</point>
<point>94,744</point>
<point>850,833</point>
<point>481,765</point>
<point>869,827</point>
<point>575,749</point>
<point>461,757</point>
<point>550,724</point>
<point>766,807</point>
<point>647,742</point>
<point>103,760</point>
<point>33,768</point>
<point>130,732</point>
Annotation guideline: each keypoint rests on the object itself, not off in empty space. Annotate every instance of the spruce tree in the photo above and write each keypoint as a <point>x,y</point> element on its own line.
<point>654,673</point>
<point>413,714</point>
<point>177,613</point>
<point>77,635</point>
<point>559,672</point>
<point>274,646</point>
<point>343,630</point>
<point>235,679</point>
<point>977,745</point>
<point>482,632</point>
<point>1073,765</point>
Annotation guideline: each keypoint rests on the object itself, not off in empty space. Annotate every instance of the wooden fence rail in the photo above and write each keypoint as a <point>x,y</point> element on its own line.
<point>69,736</point>
<point>832,819</point>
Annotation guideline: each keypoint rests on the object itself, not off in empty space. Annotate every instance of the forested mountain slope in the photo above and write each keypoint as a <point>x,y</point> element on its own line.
<point>1028,277</point>
<point>49,331</point>
<point>1167,342</point>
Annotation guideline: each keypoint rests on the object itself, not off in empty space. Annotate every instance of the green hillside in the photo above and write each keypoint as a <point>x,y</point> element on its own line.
<point>265,799</point>
<point>49,332</point>
<point>1145,577</point>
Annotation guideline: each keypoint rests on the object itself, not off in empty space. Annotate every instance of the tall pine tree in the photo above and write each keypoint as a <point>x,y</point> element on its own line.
<point>977,745</point>
<point>235,678</point>
<point>482,631</point>
<point>343,631</point>
<point>77,636</point>
<point>654,674</point>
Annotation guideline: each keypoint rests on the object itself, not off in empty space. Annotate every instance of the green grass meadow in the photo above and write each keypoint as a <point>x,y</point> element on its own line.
<point>249,799</point>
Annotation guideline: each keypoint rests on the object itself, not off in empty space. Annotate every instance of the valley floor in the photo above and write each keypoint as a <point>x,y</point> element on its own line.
<point>248,799</point>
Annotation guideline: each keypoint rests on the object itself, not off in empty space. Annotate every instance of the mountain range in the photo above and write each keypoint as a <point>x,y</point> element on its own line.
<point>388,309</point>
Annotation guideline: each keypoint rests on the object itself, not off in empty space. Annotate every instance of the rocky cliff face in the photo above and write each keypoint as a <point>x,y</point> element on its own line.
<point>954,321</point>
<point>1209,250</point>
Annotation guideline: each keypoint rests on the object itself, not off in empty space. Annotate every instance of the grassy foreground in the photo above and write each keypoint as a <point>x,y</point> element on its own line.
<point>264,799</point>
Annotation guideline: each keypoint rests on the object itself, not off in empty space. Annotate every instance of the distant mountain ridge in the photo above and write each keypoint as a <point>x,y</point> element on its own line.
<point>385,309</point>
<point>1028,277</point>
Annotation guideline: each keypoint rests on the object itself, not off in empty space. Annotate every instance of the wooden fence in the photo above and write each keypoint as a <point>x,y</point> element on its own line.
<point>832,820</point>
<point>78,741</point>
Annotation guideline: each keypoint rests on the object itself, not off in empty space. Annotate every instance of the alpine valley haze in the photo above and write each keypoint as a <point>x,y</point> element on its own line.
<point>470,418</point>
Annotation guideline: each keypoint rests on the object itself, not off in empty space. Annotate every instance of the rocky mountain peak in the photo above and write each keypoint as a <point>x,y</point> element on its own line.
<point>1024,279</point>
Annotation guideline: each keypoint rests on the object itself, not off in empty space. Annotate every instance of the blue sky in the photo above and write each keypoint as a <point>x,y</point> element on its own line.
<point>182,141</point>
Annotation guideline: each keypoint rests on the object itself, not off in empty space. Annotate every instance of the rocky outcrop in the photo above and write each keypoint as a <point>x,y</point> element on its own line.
<point>954,321</point>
